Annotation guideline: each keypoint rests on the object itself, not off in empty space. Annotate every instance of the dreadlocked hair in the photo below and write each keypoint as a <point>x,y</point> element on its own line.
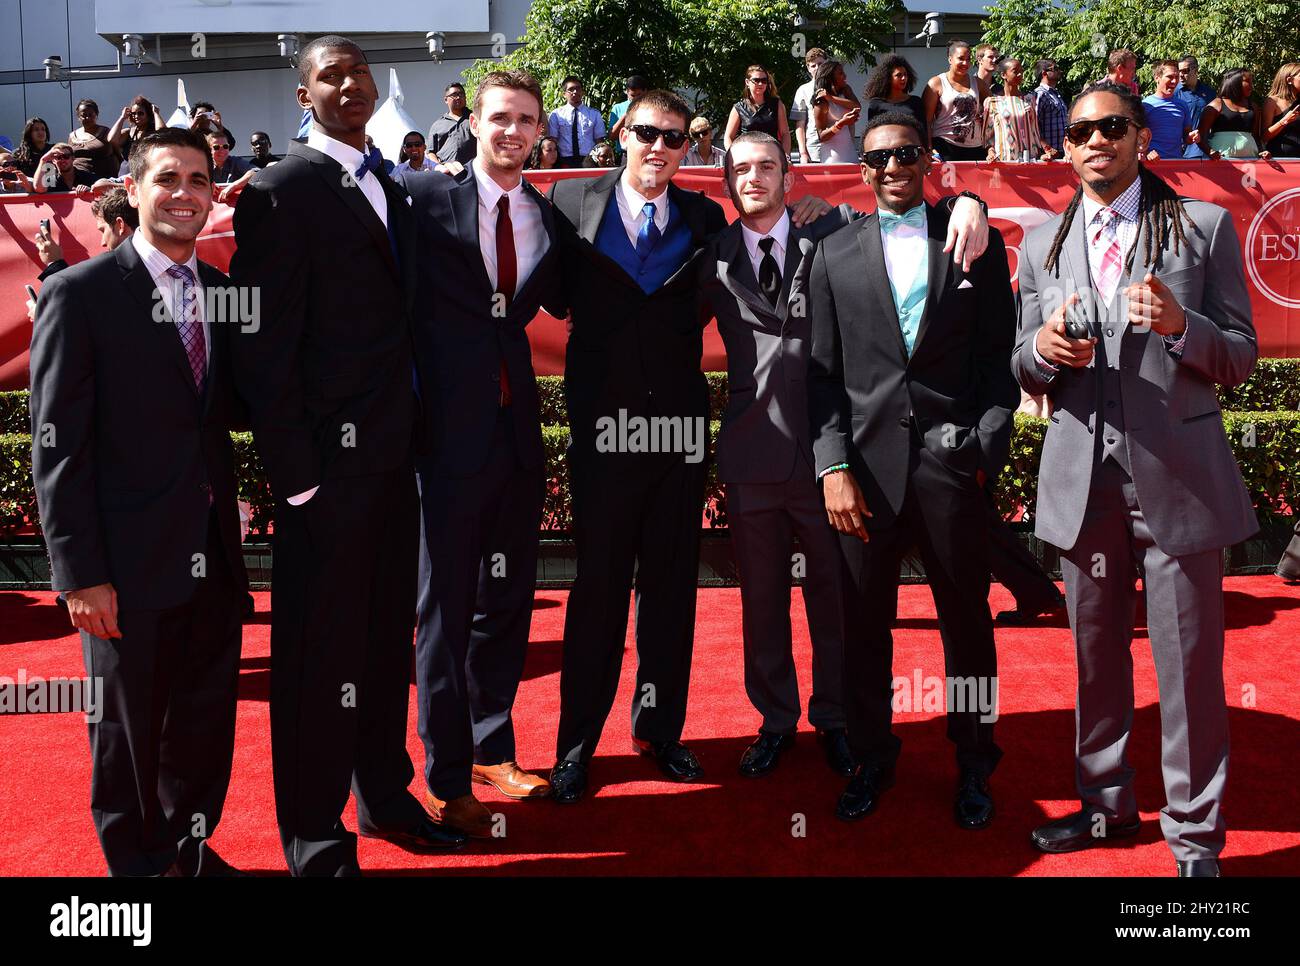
<point>1162,215</point>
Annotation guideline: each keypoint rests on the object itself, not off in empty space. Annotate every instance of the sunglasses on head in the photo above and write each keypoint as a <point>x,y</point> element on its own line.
<point>649,134</point>
<point>878,159</point>
<point>1113,128</point>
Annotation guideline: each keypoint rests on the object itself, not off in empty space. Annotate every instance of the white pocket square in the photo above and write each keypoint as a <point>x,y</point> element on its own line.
<point>965,283</point>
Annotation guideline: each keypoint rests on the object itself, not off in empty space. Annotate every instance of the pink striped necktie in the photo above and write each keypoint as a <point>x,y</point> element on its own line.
<point>189,325</point>
<point>1108,273</point>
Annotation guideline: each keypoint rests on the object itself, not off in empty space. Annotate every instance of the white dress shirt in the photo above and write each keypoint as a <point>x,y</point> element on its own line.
<point>405,167</point>
<point>630,208</point>
<point>350,158</point>
<point>531,242</point>
<point>170,289</point>
<point>780,235</point>
<point>591,128</point>
<point>905,254</point>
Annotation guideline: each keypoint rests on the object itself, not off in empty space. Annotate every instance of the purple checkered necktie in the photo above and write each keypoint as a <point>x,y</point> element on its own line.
<point>189,325</point>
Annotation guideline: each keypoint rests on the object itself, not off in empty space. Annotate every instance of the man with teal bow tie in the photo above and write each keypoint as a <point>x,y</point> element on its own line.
<point>910,400</point>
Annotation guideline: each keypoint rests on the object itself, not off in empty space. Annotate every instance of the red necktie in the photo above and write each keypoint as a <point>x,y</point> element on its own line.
<point>507,274</point>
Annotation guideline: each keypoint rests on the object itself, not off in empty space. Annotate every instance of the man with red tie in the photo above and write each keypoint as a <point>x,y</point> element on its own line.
<point>485,243</point>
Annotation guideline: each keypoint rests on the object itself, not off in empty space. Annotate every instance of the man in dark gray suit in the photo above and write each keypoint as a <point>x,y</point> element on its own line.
<point>1136,469</point>
<point>755,281</point>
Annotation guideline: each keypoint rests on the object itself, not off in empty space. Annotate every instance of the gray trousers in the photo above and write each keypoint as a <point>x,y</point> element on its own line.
<point>1184,601</point>
<point>764,519</point>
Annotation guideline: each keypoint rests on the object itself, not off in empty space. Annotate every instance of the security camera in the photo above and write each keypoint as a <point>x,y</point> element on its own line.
<point>133,47</point>
<point>933,28</point>
<point>53,66</point>
<point>289,46</point>
<point>437,41</point>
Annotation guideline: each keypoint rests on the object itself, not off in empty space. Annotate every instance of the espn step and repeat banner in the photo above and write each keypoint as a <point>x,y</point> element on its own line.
<point>1263,197</point>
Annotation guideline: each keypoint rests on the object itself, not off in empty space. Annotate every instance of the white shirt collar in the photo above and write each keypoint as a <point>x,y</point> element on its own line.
<point>345,154</point>
<point>156,262</point>
<point>780,232</point>
<point>489,192</point>
<point>634,201</point>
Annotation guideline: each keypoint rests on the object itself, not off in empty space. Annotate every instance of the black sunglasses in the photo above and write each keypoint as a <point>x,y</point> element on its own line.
<point>413,145</point>
<point>1113,128</point>
<point>649,134</point>
<point>908,154</point>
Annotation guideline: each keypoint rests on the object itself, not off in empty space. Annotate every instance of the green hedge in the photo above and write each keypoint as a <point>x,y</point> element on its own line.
<point>1273,386</point>
<point>1267,447</point>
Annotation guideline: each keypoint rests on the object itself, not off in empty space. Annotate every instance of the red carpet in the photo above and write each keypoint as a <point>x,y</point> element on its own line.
<point>636,824</point>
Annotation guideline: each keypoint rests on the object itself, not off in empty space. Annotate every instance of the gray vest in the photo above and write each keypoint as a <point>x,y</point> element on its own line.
<point>1112,324</point>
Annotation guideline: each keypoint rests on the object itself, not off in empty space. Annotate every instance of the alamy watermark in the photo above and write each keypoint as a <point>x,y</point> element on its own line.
<point>653,434</point>
<point>38,695</point>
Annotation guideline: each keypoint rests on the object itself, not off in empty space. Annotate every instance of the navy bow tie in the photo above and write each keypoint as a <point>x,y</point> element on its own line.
<point>372,162</point>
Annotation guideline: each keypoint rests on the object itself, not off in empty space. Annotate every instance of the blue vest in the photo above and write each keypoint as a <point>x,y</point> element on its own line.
<point>670,254</point>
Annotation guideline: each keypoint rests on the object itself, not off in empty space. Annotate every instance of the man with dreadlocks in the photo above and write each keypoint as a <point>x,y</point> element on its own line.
<point>1136,471</point>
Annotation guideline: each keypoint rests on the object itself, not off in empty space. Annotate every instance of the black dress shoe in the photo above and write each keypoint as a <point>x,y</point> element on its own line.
<point>863,793</point>
<point>1076,831</point>
<point>1025,616</point>
<point>973,807</point>
<point>674,758</point>
<point>428,837</point>
<point>835,743</point>
<point>568,781</point>
<point>1198,868</point>
<point>761,757</point>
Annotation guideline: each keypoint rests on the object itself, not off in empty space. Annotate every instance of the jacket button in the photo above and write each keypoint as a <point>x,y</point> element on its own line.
<point>1110,333</point>
<point>1111,404</point>
<point>904,423</point>
<point>496,376</point>
<point>204,488</point>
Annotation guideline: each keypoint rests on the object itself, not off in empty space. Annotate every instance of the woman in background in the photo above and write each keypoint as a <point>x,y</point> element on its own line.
<point>92,152</point>
<point>834,111</point>
<point>138,118</point>
<point>1230,125</point>
<point>32,146</point>
<point>760,109</point>
<point>1280,127</point>
<point>889,88</point>
<point>1010,120</point>
<point>952,108</point>
<point>546,154</point>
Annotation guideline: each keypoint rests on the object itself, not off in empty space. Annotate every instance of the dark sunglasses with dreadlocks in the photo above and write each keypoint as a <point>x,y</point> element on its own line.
<point>1163,217</point>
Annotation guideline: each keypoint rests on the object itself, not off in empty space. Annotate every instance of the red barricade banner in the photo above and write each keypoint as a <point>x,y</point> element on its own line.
<point>1263,197</point>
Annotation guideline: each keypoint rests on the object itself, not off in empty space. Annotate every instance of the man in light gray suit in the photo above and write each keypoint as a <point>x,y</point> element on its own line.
<point>754,280</point>
<point>1136,471</point>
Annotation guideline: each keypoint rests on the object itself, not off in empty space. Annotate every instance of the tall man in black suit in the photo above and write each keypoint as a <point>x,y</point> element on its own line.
<point>911,404</point>
<point>327,240</point>
<point>131,408</point>
<point>486,261</point>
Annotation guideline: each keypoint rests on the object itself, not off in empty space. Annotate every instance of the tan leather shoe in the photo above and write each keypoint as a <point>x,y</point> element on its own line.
<point>465,814</point>
<point>512,781</point>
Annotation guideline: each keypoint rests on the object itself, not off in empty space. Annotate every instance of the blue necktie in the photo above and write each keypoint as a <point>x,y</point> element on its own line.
<point>914,218</point>
<point>648,236</point>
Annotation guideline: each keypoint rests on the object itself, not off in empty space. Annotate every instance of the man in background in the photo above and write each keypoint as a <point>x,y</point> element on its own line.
<point>260,142</point>
<point>575,126</point>
<point>801,110</point>
<point>450,140</point>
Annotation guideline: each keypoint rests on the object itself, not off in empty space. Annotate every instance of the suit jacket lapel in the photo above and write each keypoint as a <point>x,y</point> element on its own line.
<point>465,210</point>
<point>404,234</point>
<point>1078,277</point>
<point>548,223</point>
<point>350,193</point>
<point>736,272</point>
<point>939,270</point>
<point>876,282</point>
<point>594,200</point>
<point>793,256</point>
<point>138,281</point>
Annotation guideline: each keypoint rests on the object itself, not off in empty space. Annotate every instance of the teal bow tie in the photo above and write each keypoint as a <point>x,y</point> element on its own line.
<point>914,218</point>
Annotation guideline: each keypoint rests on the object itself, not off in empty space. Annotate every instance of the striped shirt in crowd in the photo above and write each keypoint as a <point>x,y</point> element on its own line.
<point>1011,127</point>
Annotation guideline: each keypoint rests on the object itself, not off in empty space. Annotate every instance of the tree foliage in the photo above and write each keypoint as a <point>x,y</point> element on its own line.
<point>1259,34</point>
<point>698,47</point>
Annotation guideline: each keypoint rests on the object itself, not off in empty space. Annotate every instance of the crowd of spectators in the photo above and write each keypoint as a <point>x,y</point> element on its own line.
<point>985,107</point>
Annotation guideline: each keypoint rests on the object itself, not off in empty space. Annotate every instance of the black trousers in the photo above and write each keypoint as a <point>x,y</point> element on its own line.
<point>162,748</point>
<point>1014,567</point>
<point>478,572</point>
<point>343,606</point>
<point>641,515</point>
<point>944,518</point>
